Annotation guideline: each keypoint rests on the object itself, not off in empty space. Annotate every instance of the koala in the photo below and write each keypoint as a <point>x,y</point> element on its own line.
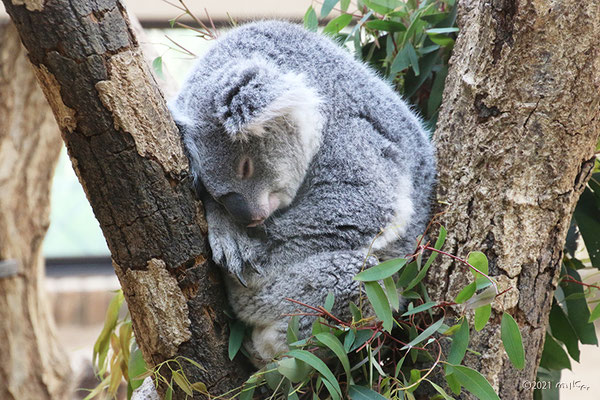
<point>309,166</point>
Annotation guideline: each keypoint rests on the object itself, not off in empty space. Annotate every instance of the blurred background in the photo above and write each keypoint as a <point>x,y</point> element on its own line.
<point>80,278</point>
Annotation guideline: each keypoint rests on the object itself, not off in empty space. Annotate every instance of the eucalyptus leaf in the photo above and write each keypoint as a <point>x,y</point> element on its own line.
<point>337,24</point>
<point>474,382</point>
<point>236,337</point>
<point>381,271</point>
<point>380,304</point>
<point>320,366</point>
<point>482,316</point>
<point>310,20</point>
<point>512,341</point>
<point>460,341</point>
<point>430,330</point>
<point>327,7</point>
<point>363,393</point>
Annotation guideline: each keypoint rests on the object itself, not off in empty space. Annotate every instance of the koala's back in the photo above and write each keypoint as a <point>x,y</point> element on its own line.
<point>370,137</point>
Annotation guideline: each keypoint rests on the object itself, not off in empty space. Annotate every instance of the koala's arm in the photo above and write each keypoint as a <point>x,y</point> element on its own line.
<point>231,247</point>
<point>263,303</point>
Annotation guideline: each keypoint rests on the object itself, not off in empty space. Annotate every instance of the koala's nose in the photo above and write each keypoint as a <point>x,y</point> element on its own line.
<point>238,207</point>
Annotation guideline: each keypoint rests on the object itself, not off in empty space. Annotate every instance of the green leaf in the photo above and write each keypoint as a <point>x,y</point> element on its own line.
<point>587,215</point>
<point>331,388</point>
<point>335,345</point>
<point>418,309</point>
<point>478,260</point>
<point>425,334</point>
<point>465,294</point>
<point>392,292</point>
<point>381,271</point>
<point>595,313</point>
<point>137,366</point>
<point>562,330</point>
<point>386,26</point>
<point>408,274</point>
<point>426,65</point>
<point>344,4</point>
<point>437,89</point>
<point>481,299</point>
<point>438,389</point>
<point>157,64</point>
<point>293,369</point>
<point>349,340</point>
<point>437,35</point>
<point>453,383</point>
<point>272,376</point>
<point>182,383</point>
<point>414,60</point>
<point>362,336</point>
<point>401,61</point>
<point>441,30</point>
<point>236,337</point>
<point>248,388</point>
<point>380,304</point>
<point>310,20</point>
<point>399,367</point>
<point>553,355</point>
<point>337,24</point>
<point>329,300</point>
<point>327,7</point>
<point>460,341</point>
<point>356,314</point>
<point>482,315</point>
<point>320,366</point>
<point>319,326</point>
<point>438,245</point>
<point>474,382</point>
<point>578,311</point>
<point>363,393</point>
<point>382,6</point>
<point>110,322</point>
<point>512,341</point>
<point>293,330</point>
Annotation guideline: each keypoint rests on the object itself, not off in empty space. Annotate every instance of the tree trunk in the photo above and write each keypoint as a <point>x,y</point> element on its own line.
<point>515,138</point>
<point>32,365</point>
<point>127,154</point>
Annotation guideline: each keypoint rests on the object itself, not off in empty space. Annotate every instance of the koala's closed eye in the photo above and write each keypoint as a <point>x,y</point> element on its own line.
<point>245,168</point>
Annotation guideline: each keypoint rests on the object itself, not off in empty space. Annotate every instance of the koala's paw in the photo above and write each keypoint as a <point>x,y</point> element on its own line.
<point>232,251</point>
<point>267,342</point>
<point>226,253</point>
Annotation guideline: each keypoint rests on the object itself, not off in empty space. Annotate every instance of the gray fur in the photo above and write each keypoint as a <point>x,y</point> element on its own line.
<point>334,148</point>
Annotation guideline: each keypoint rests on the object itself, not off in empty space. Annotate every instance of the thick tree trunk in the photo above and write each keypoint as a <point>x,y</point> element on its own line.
<point>126,151</point>
<point>515,144</point>
<point>32,365</point>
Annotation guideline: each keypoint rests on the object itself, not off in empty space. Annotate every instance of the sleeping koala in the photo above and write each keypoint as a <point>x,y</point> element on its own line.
<point>302,156</point>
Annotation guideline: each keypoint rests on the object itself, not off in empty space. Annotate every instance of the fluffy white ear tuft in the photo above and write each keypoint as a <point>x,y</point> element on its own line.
<point>298,101</point>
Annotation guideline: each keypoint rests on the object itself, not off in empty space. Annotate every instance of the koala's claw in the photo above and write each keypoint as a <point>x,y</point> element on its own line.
<point>256,268</point>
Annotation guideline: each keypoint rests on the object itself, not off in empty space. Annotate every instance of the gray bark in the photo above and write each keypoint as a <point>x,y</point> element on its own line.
<point>32,364</point>
<point>515,138</point>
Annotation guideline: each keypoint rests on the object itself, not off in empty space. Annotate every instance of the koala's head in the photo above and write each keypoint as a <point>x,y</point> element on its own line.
<point>250,133</point>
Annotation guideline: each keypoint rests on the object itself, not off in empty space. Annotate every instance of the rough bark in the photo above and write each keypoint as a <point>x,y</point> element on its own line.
<point>127,154</point>
<point>515,144</point>
<point>32,365</point>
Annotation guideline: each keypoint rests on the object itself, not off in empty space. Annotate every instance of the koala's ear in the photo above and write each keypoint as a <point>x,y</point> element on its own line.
<point>252,92</point>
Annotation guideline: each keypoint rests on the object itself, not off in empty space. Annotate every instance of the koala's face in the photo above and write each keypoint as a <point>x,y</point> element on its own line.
<point>255,173</point>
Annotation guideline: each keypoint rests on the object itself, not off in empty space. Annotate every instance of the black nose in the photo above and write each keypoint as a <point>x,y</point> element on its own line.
<point>238,207</point>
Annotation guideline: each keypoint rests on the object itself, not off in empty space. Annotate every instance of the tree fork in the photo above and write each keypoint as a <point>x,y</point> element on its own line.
<point>127,154</point>
<point>516,138</point>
